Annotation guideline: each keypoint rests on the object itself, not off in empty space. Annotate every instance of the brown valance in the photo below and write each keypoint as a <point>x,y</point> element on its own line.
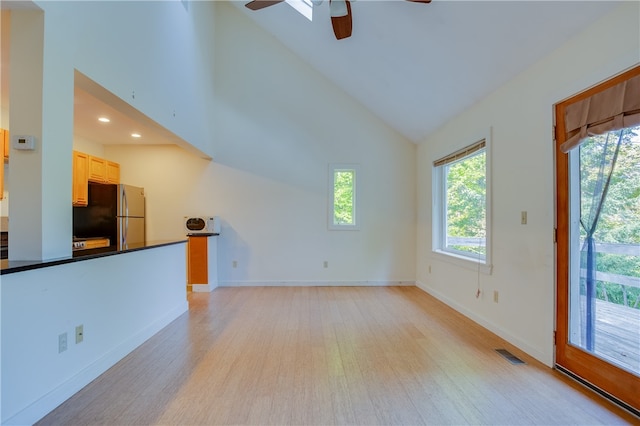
<point>462,153</point>
<point>612,109</point>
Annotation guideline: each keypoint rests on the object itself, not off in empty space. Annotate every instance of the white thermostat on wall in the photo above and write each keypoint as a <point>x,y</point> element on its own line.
<point>23,142</point>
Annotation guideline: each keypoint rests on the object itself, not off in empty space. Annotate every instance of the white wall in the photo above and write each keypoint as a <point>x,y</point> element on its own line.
<point>89,147</point>
<point>155,55</point>
<point>278,125</point>
<point>521,114</point>
<point>163,54</point>
<point>120,300</point>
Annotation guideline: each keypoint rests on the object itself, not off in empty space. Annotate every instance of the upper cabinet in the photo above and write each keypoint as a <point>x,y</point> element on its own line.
<point>97,169</point>
<point>103,171</point>
<point>87,168</point>
<point>113,172</point>
<point>80,189</point>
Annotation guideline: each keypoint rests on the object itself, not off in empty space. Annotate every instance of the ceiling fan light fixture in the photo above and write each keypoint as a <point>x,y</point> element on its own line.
<point>261,4</point>
<point>338,8</point>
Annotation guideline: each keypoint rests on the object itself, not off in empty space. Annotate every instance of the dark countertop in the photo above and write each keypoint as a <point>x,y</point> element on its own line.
<point>10,267</point>
<point>208,234</point>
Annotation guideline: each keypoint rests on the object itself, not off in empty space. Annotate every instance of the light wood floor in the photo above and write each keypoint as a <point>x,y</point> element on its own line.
<point>328,355</point>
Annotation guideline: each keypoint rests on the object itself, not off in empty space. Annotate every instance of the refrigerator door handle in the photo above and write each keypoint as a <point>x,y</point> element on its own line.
<point>124,233</point>
<point>124,202</point>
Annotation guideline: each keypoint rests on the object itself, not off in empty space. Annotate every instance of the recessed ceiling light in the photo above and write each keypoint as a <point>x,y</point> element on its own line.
<point>104,119</point>
<point>136,135</point>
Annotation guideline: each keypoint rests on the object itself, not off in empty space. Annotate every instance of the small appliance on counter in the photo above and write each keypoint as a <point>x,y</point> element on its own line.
<point>196,225</point>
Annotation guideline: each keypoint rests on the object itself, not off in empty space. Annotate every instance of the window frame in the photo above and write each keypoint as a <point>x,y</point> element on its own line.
<point>439,211</point>
<point>333,168</point>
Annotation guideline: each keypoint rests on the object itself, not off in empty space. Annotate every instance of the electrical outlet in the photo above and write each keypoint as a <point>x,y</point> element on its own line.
<point>62,342</point>
<point>79,333</point>
<point>326,264</point>
<point>234,263</point>
<point>429,268</point>
<point>495,296</point>
<point>523,217</point>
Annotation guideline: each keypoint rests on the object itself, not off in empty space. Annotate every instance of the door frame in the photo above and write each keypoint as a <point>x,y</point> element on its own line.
<point>608,379</point>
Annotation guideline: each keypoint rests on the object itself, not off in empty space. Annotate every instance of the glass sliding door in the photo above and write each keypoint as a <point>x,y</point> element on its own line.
<point>598,236</point>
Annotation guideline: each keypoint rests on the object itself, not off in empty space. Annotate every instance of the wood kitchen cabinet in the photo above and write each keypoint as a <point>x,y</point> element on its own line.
<point>3,142</point>
<point>103,171</point>
<point>88,168</point>
<point>197,261</point>
<point>80,193</point>
<point>202,263</point>
<point>6,143</point>
<point>113,172</point>
<point>97,169</point>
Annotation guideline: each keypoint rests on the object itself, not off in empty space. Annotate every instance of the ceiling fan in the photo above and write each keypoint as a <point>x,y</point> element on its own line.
<point>340,13</point>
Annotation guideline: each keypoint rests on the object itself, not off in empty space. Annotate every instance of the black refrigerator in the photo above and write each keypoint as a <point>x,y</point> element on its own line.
<point>116,212</point>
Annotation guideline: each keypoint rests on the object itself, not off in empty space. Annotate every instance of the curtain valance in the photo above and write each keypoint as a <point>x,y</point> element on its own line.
<point>612,109</point>
<point>462,153</point>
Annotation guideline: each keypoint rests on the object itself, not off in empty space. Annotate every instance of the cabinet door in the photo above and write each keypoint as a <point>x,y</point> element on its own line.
<point>97,169</point>
<point>3,144</point>
<point>80,179</point>
<point>113,172</point>
<point>5,137</point>
<point>197,258</point>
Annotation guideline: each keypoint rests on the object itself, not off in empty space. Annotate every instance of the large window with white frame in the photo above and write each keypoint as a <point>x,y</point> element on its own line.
<point>461,193</point>
<point>343,197</point>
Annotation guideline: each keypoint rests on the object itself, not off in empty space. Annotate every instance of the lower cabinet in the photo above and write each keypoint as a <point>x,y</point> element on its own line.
<point>197,258</point>
<point>202,263</point>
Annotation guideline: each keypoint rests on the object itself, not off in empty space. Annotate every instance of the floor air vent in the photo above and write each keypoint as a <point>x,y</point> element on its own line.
<point>510,357</point>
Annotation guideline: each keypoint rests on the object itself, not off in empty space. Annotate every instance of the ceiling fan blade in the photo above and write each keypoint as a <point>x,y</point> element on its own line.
<point>341,22</point>
<point>261,4</point>
<point>420,1</point>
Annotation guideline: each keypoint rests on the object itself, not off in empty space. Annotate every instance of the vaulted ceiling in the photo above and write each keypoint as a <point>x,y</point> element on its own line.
<point>418,65</point>
<point>414,65</point>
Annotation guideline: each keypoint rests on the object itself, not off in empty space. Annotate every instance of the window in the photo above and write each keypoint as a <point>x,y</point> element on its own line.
<point>343,206</point>
<point>461,194</point>
<point>303,7</point>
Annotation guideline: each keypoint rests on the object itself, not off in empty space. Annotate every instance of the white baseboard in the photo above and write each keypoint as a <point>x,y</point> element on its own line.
<point>202,288</point>
<point>315,283</point>
<point>41,407</point>
<point>494,328</point>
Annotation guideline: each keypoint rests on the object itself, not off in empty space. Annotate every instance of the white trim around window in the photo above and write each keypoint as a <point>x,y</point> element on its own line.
<point>440,244</point>
<point>343,207</point>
